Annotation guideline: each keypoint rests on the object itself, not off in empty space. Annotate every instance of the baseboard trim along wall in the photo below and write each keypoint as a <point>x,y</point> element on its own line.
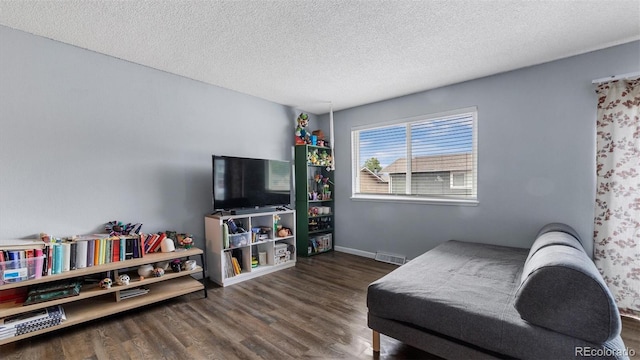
<point>355,252</point>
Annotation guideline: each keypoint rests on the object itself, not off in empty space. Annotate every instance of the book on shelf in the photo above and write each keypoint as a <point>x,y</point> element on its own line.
<point>73,256</point>
<point>129,293</point>
<point>66,257</point>
<point>90,252</point>
<point>53,290</point>
<point>157,241</point>
<point>236,266</point>
<point>9,326</point>
<point>228,268</point>
<point>13,296</point>
<point>31,259</point>
<point>31,321</point>
<point>81,254</point>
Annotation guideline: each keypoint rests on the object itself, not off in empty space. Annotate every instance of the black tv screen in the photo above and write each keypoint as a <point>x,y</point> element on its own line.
<point>242,183</point>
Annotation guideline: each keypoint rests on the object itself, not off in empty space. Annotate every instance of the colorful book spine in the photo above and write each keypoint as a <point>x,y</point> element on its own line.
<point>39,263</point>
<point>49,259</point>
<point>96,252</point>
<point>57,258</point>
<point>123,248</point>
<point>115,250</point>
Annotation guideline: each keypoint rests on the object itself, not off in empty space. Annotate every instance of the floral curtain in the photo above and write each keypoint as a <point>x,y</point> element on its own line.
<point>617,213</point>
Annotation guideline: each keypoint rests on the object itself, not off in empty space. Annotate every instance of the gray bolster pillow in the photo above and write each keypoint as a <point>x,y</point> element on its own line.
<point>562,290</point>
<point>549,238</point>
<point>558,227</point>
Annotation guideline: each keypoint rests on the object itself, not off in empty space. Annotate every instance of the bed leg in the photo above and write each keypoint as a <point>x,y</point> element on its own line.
<point>376,341</point>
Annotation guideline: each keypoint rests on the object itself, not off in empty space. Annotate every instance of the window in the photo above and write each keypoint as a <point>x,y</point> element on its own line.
<point>442,148</point>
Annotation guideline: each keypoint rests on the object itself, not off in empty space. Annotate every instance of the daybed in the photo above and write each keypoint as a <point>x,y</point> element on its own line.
<point>469,300</point>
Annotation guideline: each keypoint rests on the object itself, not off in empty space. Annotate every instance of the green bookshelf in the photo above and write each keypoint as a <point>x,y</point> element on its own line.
<point>314,200</point>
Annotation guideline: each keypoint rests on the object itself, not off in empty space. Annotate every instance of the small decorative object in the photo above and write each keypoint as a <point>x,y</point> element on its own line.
<point>283,232</point>
<point>302,137</point>
<point>313,158</point>
<point>319,133</point>
<point>187,243</point>
<point>176,265</point>
<point>167,245</point>
<point>145,270</point>
<point>158,272</point>
<point>189,265</point>
<point>123,279</point>
<point>106,283</point>
<point>276,223</point>
<point>118,228</point>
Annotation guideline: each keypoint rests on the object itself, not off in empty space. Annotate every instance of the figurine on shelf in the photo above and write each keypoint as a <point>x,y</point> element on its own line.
<point>187,243</point>
<point>313,157</point>
<point>158,272</point>
<point>176,265</point>
<point>123,279</point>
<point>284,232</point>
<point>106,283</point>
<point>302,137</point>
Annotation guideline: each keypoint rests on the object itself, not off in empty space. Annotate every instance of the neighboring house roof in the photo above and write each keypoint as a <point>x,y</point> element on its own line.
<point>432,163</point>
<point>378,177</point>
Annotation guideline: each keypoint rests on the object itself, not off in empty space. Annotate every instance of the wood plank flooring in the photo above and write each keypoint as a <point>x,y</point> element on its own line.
<point>315,310</point>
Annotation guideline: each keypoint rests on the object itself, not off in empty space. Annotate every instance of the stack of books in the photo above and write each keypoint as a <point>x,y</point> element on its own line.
<point>129,293</point>
<point>232,265</point>
<point>31,321</point>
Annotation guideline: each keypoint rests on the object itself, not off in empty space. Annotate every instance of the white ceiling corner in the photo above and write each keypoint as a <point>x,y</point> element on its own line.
<point>307,53</point>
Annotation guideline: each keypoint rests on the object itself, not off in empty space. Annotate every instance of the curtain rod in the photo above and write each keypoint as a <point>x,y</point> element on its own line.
<point>616,77</point>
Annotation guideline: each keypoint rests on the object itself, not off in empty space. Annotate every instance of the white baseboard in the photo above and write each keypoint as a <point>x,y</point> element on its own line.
<point>355,252</point>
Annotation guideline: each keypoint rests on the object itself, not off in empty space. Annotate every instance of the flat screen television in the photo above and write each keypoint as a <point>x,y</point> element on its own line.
<point>250,183</point>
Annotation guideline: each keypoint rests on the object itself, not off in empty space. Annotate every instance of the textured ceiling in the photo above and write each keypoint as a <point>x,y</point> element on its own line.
<point>306,53</point>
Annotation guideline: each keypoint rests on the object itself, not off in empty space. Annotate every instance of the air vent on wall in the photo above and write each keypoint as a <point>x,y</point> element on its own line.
<point>390,258</point>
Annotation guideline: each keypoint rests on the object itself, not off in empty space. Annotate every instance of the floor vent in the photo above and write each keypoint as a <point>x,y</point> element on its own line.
<point>390,258</point>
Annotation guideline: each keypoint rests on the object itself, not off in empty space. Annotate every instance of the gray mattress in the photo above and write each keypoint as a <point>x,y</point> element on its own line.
<point>466,291</point>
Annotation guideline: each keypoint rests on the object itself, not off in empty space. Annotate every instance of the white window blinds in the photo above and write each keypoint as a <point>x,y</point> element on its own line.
<point>443,153</point>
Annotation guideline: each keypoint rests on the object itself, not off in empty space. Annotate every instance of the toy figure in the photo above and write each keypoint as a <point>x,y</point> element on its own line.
<point>313,160</point>
<point>106,283</point>
<point>158,272</point>
<point>123,279</point>
<point>302,137</point>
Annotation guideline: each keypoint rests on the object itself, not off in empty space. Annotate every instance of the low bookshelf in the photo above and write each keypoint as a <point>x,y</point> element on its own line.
<point>264,241</point>
<point>94,302</point>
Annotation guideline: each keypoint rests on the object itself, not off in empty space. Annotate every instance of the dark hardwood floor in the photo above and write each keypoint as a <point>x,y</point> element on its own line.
<point>315,310</point>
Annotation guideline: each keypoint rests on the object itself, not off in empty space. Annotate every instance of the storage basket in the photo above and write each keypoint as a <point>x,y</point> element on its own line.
<point>20,270</point>
<point>241,239</point>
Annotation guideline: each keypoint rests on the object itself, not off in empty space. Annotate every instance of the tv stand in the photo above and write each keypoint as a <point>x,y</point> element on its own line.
<point>277,252</point>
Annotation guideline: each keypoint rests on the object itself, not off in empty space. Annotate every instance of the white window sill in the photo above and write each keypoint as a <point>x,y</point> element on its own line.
<point>416,200</point>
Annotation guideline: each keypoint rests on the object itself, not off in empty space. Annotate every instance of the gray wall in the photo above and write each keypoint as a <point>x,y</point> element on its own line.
<point>86,138</point>
<point>536,158</point>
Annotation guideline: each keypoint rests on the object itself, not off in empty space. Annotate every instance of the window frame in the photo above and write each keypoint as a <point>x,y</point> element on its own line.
<point>436,200</point>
